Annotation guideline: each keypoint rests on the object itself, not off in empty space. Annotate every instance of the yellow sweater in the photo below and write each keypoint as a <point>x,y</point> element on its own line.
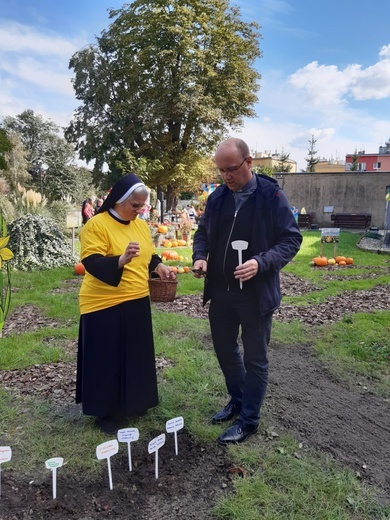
<point>103,235</point>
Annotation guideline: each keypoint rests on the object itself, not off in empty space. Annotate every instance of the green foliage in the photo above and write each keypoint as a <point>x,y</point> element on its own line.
<point>264,170</point>
<point>58,210</point>
<point>38,243</point>
<point>311,159</point>
<point>163,82</point>
<point>5,146</point>
<point>34,132</point>
<point>46,161</point>
<point>284,480</point>
<point>5,282</point>
<point>17,164</point>
<point>7,208</point>
<point>355,162</point>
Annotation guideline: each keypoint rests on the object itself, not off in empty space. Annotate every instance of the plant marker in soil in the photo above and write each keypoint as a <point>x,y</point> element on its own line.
<point>5,456</point>
<point>173,425</point>
<point>53,464</point>
<point>153,447</point>
<point>105,451</point>
<point>128,435</point>
<point>240,246</point>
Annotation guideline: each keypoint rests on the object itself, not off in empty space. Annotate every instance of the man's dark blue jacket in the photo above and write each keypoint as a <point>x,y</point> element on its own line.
<point>275,237</point>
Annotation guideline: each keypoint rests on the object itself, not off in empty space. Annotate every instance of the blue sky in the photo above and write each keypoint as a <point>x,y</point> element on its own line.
<point>325,69</point>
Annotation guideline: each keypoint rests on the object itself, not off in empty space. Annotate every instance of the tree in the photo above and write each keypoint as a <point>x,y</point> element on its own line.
<point>312,160</point>
<point>17,164</point>
<point>264,170</point>
<point>283,164</point>
<point>34,132</point>
<point>5,146</point>
<point>43,145</point>
<point>163,83</point>
<point>355,162</point>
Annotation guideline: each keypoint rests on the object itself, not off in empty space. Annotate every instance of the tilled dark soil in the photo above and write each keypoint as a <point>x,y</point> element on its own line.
<point>344,419</point>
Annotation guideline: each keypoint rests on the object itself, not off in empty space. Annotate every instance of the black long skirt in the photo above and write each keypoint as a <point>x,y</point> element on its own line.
<point>116,371</point>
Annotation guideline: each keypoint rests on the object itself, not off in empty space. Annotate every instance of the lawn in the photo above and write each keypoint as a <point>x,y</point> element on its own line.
<point>276,478</point>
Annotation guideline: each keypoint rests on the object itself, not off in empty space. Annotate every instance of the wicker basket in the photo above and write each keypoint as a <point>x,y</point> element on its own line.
<point>161,290</point>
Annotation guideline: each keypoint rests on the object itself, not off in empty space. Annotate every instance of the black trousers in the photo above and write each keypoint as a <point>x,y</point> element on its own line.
<point>246,372</point>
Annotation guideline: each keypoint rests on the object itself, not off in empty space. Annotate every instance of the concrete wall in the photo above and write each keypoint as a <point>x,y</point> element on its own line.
<point>362,192</point>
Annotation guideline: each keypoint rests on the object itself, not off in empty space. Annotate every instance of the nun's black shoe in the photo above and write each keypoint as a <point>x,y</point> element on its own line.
<point>226,414</point>
<point>237,432</point>
<point>111,423</point>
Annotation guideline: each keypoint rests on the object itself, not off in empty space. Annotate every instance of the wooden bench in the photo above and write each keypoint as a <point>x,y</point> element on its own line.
<point>305,220</point>
<point>351,220</point>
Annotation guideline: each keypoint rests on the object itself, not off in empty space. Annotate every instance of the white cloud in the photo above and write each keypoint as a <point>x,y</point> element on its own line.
<point>44,73</point>
<point>326,85</point>
<point>34,72</point>
<point>19,38</point>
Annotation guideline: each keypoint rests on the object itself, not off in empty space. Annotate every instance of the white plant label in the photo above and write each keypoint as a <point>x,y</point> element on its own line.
<point>153,447</point>
<point>172,426</point>
<point>5,456</point>
<point>128,435</point>
<point>105,451</point>
<point>53,464</point>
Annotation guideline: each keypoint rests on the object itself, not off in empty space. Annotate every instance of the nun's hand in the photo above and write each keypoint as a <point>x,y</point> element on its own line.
<point>131,251</point>
<point>164,272</point>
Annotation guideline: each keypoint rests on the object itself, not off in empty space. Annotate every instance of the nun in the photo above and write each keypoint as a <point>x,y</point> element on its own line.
<point>116,373</point>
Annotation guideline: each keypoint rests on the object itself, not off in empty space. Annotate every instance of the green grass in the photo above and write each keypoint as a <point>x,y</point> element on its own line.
<point>284,481</point>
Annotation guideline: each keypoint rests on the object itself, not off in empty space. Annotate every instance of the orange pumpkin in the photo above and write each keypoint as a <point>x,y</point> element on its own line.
<point>162,229</point>
<point>321,261</point>
<point>173,268</point>
<point>79,269</point>
<point>349,261</point>
<point>340,259</point>
<point>342,262</point>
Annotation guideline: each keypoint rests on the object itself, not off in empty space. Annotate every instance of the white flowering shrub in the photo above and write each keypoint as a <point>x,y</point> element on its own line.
<point>38,243</point>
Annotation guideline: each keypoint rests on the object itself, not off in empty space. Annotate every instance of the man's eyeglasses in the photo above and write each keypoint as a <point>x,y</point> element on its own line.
<point>232,169</point>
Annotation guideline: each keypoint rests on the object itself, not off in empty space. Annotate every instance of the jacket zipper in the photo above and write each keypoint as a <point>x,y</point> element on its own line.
<point>226,248</point>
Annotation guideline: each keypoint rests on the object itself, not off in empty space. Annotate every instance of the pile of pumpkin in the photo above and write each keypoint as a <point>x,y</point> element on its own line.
<point>174,255</point>
<point>174,243</point>
<point>322,261</point>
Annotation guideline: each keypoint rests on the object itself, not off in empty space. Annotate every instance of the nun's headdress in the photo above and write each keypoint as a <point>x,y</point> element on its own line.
<point>121,190</point>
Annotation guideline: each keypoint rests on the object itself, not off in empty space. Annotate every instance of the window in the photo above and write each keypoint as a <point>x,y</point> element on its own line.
<point>377,165</point>
<point>362,167</point>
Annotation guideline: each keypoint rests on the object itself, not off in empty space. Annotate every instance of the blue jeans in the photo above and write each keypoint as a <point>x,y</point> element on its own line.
<point>246,374</point>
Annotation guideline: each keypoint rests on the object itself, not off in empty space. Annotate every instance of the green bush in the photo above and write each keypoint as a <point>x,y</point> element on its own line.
<point>38,243</point>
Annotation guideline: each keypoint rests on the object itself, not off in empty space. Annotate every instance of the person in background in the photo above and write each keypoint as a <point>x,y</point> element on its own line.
<point>248,215</point>
<point>191,212</point>
<point>87,210</point>
<point>116,374</point>
<point>98,205</point>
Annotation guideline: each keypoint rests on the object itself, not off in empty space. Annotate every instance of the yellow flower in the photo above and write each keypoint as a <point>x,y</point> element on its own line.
<point>5,253</point>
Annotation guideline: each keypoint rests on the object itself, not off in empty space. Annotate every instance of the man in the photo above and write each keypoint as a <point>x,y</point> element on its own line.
<point>253,210</point>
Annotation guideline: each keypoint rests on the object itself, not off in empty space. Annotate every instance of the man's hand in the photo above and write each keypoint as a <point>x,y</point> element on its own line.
<point>199,269</point>
<point>246,271</point>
